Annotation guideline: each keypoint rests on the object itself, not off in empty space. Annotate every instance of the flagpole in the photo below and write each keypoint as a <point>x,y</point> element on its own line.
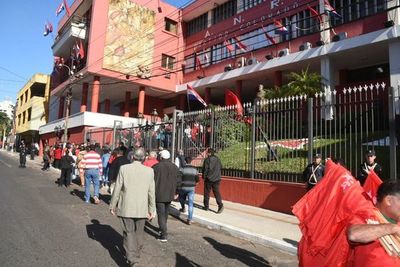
<point>187,99</point>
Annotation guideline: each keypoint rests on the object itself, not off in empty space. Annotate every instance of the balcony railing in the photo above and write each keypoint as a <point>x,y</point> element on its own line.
<point>66,37</point>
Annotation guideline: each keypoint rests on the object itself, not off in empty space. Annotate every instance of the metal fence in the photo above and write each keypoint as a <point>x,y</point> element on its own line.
<point>275,139</point>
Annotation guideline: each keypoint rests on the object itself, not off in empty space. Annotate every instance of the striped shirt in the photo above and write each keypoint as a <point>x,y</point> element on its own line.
<point>92,160</point>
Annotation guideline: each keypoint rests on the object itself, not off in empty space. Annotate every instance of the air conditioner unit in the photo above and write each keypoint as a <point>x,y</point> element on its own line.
<point>228,67</point>
<point>305,46</point>
<point>251,61</point>
<point>283,52</point>
<point>269,56</point>
<point>339,37</point>
<point>241,62</point>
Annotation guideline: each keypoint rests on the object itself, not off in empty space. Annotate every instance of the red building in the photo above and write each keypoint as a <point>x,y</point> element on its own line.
<point>136,56</point>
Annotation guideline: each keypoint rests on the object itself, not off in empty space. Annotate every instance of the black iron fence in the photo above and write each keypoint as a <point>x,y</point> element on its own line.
<point>275,139</point>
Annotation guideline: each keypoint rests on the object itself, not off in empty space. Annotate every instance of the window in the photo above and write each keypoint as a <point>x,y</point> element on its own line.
<point>29,114</point>
<point>224,11</point>
<point>19,119</point>
<point>26,96</point>
<point>220,52</point>
<point>171,26</point>
<point>189,63</point>
<point>196,25</point>
<point>251,3</point>
<point>167,62</point>
<point>350,10</point>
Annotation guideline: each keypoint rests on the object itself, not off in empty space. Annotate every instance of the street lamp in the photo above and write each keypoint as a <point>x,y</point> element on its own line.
<point>68,99</point>
<point>58,131</point>
<point>146,126</point>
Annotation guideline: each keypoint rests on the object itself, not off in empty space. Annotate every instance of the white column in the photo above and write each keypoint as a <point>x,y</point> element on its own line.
<point>328,84</point>
<point>325,25</point>
<point>394,67</point>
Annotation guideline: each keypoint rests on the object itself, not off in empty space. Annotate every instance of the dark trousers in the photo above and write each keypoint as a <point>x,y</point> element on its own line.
<point>22,160</point>
<point>56,163</point>
<point>65,178</point>
<point>162,216</point>
<point>133,232</point>
<point>215,188</point>
<point>46,164</point>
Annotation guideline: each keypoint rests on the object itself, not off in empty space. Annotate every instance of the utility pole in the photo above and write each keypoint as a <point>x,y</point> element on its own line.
<point>68,99</point>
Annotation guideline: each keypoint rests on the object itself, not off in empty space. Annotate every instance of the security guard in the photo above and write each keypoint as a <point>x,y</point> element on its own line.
<point>314,172</point>
<point>368,165</point>
<point>22,154</point>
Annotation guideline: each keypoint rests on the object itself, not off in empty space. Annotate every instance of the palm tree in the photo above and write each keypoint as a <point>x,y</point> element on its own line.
<point>302,83</point>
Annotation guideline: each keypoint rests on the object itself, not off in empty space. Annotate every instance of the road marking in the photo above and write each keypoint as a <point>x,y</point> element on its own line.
<point>8,165</point>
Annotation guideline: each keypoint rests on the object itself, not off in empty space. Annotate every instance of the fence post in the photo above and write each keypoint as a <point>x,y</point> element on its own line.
<point>115,133</point>
<point>392,133</point>
<point>173,149</point>
<point>212,129</point>
<point>253,140</point>
<point>310,128</point>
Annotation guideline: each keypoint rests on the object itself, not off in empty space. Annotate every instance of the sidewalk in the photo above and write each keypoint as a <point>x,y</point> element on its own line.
<point>257,225</point>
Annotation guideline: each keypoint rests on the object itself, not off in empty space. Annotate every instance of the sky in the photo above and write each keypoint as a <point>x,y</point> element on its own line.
<point>24,50</point>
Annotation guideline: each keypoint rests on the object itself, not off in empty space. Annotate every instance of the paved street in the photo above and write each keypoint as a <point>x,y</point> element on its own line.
<point>43,225</point>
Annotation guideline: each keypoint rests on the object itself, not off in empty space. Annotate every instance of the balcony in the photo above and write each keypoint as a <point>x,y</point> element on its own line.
<point>67,36</point>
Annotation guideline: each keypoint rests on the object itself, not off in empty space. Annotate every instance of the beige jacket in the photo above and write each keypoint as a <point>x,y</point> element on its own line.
<point>134,192</point>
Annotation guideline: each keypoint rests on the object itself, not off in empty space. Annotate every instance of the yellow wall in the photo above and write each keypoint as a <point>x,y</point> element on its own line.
<point>38,105</point>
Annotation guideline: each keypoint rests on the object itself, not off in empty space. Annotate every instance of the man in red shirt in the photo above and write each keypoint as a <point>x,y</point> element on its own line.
<point>151,159</point>
<point>57,156</point>
<point>364,236</point>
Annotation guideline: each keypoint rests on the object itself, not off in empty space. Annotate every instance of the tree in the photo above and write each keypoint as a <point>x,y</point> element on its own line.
<point>305,82</point>
<point>5,122</point>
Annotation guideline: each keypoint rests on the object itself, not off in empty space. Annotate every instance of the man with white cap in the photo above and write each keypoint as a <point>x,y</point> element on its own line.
<point>167,179</point>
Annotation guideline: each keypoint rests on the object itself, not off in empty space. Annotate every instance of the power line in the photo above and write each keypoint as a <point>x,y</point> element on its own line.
<point>13,73</point>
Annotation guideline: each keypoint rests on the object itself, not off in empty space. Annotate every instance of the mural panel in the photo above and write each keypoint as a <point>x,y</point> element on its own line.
<point>130,38</point>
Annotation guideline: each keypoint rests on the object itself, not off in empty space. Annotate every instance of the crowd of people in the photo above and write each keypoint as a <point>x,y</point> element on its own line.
<point>142,184</point>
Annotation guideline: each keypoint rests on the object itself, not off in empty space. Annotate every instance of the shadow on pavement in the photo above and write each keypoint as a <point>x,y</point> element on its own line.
<point>246,257</point>
<point>106,198</point>
<point>109,239</point>
<point>182,261</point>
<point>78,193</point>
<point>151,230</point>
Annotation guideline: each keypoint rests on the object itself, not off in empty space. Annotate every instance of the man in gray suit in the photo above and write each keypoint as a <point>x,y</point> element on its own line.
<point>133,201</point>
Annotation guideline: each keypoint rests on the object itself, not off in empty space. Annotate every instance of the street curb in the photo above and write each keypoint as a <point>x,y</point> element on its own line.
<point>240,233</point>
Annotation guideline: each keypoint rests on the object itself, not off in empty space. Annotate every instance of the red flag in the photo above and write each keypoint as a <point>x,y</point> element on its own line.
<point>81,49</point>
<point>198,62</point>
<point>232,99</point>
<point>269,37</point>
<point>228,46</point>
<point>371,186</point>
<point>240,45</point>
<point>324,214</point>
<point>315,13</point>
<point>67,8</point>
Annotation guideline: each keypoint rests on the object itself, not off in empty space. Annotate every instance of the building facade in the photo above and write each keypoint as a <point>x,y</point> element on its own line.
<point>32,108</point>
<point>240,44</point>
<point>117,60</point>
